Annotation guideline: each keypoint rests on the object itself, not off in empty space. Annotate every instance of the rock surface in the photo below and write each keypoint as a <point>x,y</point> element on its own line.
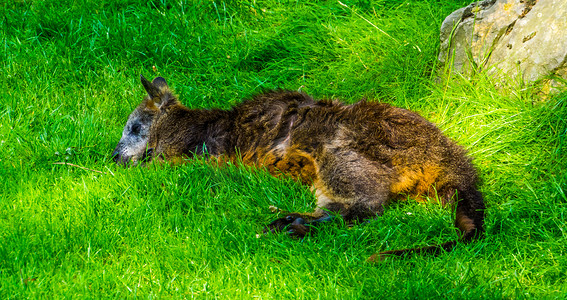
<point>525,40</point>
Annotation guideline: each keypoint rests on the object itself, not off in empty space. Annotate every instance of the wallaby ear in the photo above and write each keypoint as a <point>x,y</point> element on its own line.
<point>153,88</point>
<point>159,83</point>
<point>150,88</point>
<point>159,91</point>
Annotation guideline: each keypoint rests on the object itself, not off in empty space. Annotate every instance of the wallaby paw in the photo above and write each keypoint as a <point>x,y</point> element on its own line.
<point>298,228</point>
<point>293,224</point>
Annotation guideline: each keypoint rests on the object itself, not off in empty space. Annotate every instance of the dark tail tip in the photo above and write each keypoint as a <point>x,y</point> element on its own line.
<point>429,250</point>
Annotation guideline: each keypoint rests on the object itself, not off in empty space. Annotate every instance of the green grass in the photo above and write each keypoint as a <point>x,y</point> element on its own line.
<point>69,80</point>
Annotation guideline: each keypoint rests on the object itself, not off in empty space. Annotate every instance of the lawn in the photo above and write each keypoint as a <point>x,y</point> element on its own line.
<point>73,224</point>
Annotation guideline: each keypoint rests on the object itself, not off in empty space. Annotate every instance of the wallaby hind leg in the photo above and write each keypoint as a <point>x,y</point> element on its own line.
<point>469,208</point>
<point>348,185</point>
<point>469,214</point>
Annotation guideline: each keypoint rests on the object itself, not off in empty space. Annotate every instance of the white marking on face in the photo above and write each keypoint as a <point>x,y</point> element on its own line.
<point>135,136</point>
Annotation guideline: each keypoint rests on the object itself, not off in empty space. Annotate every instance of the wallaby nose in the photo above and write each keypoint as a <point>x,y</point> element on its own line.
<point>116,156</point>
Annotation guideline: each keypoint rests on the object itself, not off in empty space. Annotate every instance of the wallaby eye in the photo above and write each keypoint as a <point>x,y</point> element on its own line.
<point>135,129</point>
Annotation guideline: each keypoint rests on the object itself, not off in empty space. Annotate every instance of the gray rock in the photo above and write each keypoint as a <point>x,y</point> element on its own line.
<point>518,40</point>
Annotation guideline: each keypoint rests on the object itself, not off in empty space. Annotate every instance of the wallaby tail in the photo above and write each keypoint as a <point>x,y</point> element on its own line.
<point>469,220</point>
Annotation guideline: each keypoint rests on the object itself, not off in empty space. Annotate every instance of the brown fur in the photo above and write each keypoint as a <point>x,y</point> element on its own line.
<point>356,158</point>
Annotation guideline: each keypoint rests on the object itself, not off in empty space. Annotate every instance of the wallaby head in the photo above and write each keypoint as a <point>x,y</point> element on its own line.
<point>133,145</point>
